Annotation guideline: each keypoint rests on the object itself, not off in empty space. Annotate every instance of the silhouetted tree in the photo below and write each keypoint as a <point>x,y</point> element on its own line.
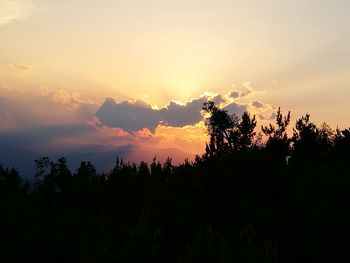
<point>246,131</point>
<point>86,173</point>
<point>143,169</point>
<point>168,167</point>
<point>278,143</point>
<point>305,139</point>
<point>41,167</point>
<point>63,176</point>
<point>342,140</point>
<point>9,182</point>
<point>243,204</point>
<point>326,137</point>
<point>227,132</point>
<point>222,129</point>
<point>156,167</point>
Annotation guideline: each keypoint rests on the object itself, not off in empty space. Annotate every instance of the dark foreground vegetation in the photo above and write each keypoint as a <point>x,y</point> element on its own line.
<point>283,199</point>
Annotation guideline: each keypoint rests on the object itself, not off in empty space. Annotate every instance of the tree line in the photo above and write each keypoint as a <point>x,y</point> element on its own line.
<point>254,195</point>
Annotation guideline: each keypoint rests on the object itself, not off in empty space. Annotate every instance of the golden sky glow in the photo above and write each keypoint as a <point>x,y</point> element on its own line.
<point>293,54</point>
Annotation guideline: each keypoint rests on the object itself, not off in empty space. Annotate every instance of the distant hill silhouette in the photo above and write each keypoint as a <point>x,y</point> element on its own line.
<point>103,157</point>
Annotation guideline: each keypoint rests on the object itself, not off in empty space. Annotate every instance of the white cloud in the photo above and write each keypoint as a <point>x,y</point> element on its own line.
<point>12,10</point>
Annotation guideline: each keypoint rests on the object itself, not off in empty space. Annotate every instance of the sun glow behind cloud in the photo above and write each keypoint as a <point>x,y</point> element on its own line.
<point>60,60</point>
<point>177,50</point>
<point>65,120</point>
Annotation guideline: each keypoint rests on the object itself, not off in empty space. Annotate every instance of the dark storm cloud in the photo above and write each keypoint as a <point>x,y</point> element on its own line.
<point>134,116</point>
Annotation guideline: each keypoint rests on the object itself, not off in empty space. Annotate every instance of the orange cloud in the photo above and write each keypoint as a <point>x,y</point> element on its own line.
<point>190,138</point>
<point>71,100</point>
<point>144,133</point>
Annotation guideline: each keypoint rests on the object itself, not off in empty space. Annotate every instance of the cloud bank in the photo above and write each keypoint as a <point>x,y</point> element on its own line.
<point>54,121</point>
<point>137,115</point>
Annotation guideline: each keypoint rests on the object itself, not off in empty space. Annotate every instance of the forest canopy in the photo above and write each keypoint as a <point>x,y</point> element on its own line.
<point>245,199</point>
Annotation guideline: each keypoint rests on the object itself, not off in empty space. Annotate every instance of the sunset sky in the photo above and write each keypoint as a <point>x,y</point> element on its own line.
<point>78,74</point>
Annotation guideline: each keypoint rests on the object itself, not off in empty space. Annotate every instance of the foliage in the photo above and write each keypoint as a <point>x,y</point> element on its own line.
<point>227,132</point>
<point>238,202</point>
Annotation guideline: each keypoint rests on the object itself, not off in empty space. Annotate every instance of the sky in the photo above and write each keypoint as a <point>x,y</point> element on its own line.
<point>77,75</point>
